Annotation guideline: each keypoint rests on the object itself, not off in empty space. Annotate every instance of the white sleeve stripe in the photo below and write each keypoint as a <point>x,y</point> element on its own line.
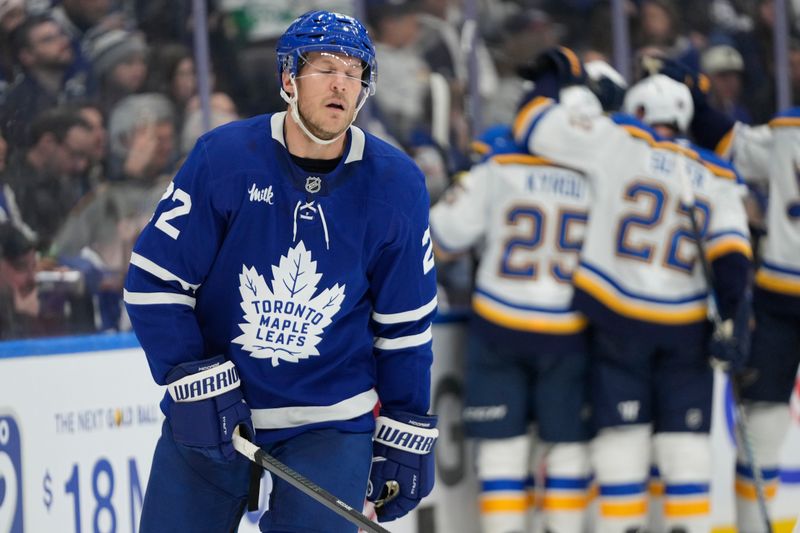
<point>408,341</point>
<point>405,316</point>
<point>155,298</point>
<point>159,272</point>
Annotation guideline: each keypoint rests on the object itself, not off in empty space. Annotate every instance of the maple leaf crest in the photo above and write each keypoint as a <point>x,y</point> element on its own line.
<point>286,322</point>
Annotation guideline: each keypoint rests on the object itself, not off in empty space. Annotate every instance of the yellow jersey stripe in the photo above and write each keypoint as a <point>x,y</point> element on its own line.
<point>724,145</point>
<point>644,311</point>
<point>520,159</point>
<point>571,323</point>
<point>528,113</point>
<point>771,282</point>
<point>727,246</point>
<point>480,147</point>
<point>784,122</point>
<point>719,171</point>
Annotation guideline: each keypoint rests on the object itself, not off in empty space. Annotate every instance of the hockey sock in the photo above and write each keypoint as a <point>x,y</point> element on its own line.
<point>767,424</point>
<point>621,462</point>
<point>503,473</point>
<point>684,461</point>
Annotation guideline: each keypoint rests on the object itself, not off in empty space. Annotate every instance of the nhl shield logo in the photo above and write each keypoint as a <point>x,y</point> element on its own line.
<point>313,183</point>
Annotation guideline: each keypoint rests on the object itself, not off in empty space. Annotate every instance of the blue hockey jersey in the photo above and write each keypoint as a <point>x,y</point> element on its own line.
<point>321,289</point>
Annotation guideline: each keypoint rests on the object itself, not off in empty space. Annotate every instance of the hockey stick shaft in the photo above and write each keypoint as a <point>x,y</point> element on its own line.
<point>300,482</point>
<point>688,199</point>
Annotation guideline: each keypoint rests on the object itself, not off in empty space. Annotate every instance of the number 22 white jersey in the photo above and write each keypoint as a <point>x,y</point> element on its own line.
<point>638,271</point>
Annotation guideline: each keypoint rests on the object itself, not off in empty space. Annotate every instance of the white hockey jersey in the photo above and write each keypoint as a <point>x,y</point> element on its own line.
<point>775,154</point>
<point>531,214</point>
<point>638,270</point>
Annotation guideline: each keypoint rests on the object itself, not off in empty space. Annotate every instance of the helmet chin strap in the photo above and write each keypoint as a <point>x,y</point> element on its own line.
<point>292,101</point>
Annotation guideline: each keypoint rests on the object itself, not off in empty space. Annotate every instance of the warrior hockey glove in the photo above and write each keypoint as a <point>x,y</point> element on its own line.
<point>402,463</point>
<point>207,407</point>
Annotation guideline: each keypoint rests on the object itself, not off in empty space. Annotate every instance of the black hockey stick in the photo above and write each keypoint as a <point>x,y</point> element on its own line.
<point>723,330</point>
<point>300,482</point>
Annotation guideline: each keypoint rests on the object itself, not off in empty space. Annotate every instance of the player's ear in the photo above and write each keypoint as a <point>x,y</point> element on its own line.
<point>286,83</point>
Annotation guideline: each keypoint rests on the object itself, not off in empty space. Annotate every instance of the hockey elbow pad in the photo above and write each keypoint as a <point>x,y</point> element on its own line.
<point>207,406</point>
<point>403,469</point>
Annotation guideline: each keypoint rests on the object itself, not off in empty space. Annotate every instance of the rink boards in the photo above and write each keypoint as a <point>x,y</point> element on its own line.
<point>79,419</point>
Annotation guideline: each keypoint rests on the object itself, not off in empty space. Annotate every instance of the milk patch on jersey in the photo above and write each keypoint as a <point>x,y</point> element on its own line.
<point>287,322</point>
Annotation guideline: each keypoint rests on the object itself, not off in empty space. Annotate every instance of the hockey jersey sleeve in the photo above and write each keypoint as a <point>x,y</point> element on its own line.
<point>748,149</point>
<point>728,245</point>
<point>459,219</point>
<point>565,135</point>
<point>169,262</point>
<point>403,292</point>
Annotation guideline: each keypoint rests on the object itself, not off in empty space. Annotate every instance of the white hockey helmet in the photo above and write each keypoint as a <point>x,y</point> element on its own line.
<point>660,100</point>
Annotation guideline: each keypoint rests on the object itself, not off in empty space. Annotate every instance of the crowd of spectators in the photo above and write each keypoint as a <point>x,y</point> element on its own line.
<point>99,103</point>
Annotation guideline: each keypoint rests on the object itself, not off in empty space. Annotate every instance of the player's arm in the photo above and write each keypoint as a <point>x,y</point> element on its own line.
<point>710,128</point>
<point>459,218</point>
<point>728,246</point>
<point>168,265</point>
<point>571,135</point>
<point>403,288</point>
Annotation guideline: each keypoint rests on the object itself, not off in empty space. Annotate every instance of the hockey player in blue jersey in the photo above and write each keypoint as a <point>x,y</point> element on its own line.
<point>286,285</point>
<point>640,284</point>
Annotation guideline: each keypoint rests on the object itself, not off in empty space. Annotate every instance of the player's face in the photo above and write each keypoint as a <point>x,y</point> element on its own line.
<point>328,86</point>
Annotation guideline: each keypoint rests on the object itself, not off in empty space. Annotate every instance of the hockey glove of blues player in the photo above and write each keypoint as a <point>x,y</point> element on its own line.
<point>730,343</point>
<point>708,125</point>
<point>726,349</point>
<point>559,60</point>
<point>402,463</point>
<point>207,407</point>
<point>698,83</point>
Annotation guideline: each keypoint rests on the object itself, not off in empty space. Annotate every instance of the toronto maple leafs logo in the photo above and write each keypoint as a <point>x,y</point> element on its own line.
<point>286,323</point>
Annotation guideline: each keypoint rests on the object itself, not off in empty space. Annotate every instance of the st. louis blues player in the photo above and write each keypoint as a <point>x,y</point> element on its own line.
<point>526,357</point>
<point>640,284</point>
<point>768,152</point>
<point>285,285</point>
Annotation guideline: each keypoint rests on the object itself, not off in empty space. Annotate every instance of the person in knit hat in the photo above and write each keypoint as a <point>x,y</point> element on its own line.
<point>119,65</point>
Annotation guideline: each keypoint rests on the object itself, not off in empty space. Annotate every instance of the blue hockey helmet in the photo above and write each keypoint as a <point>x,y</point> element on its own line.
<point>326,31</point>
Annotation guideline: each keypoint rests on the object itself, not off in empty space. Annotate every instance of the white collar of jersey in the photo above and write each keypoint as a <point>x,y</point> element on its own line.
<point>357,137</point>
